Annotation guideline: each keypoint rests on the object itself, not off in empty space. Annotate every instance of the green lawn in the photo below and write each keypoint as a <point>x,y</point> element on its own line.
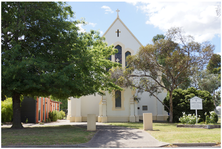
<point>167,132</point>
<point>46,135</point>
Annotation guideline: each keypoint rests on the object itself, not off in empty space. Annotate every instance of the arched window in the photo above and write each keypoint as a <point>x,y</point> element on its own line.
<point>118,56</point>
<point>126,54</point>
<point>118,99</point>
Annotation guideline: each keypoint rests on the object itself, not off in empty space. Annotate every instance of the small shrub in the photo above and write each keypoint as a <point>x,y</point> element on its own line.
<point>53,116</point>
<point>207,119</point>
<point>26,121</point>
<point>62,113</point>
<point>183,119</point>
<point>59,116</point>
<point>50,115</point>
<point>6,110</point>
<point>188,119</point>
<point>213,118</point>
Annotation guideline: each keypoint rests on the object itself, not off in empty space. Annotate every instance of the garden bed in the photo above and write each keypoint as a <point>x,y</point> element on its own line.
<point>199,126</point>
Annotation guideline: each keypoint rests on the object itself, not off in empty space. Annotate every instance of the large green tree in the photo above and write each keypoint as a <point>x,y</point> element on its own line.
<point>164,65</point>
<point>43,54</point>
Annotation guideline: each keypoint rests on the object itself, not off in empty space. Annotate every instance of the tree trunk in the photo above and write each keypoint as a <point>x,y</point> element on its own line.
<point>16,111</point>
<point>171,107</point>
<point>16,124</point>
<point>214,98</point>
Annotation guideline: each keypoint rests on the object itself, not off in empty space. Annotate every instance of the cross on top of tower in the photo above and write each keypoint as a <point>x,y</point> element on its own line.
<point>117,13</point>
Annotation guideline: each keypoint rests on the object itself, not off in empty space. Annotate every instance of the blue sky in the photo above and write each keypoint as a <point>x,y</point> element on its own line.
<point>147,19</point>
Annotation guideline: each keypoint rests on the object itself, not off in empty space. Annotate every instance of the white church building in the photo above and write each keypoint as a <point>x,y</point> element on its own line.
<point>118,106</point>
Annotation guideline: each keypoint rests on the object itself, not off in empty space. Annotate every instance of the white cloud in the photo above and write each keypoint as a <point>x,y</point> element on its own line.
<point>132,2</point>
<point>198,19</point>
<point>92,24</point>
<point>219,53</point>
<point>81,30</point>
<point>101,33</point>
<point>107,9</point>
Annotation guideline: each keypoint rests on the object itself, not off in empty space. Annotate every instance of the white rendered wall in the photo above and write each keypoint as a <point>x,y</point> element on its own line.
<point>114,112</point>
<point>90,105</point>
<point>161,111</point>
<point>73,107</point>
<point>154,106</point>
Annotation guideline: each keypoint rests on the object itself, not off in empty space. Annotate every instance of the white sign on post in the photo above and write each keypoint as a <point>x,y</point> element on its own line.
<point>196,104</point>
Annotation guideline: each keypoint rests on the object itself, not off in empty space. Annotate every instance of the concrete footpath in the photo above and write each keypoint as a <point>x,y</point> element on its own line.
<point>120,137</point>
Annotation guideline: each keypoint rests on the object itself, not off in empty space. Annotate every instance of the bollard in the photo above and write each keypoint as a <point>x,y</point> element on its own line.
<point>147,121</point>
<point>91,122</point>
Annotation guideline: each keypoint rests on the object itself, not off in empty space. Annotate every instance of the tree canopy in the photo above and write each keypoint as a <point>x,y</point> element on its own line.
<point>157,37</point>
<point>43,54</point>
<point>214,65</point>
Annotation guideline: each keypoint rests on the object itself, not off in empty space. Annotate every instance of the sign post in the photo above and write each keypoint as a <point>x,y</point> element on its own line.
<point>196,104</point>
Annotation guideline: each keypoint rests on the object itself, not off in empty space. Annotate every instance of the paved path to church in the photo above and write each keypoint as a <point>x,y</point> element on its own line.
<point>109,136</point>
<point>120,137</point>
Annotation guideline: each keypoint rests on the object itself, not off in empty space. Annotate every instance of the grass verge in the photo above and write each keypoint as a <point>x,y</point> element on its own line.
<point>168,132</point>
<point>46,135</point>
